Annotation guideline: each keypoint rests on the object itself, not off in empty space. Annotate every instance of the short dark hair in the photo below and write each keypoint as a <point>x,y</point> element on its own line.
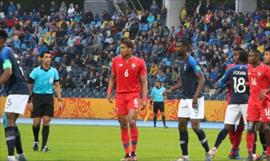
<point>43,53</point>
<point>243,56</point>
<point>3,34</point>
<point>128,43</point>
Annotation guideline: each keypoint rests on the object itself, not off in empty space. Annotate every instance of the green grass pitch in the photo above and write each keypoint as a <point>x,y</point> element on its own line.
<point>102,143</point>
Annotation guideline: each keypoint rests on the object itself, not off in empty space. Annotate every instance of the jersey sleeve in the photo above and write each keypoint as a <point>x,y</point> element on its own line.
<point>195,66</point>
<point>5,58</point>
<point>56,75</point>
<point>32,75</point>
<point>143,70</point>
<point>223,81</point>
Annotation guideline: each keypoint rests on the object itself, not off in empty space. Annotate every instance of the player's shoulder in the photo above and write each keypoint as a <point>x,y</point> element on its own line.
<point>6,51</point>
<point>230,66</point>
<point>137,59</point>
<point>191,60</point>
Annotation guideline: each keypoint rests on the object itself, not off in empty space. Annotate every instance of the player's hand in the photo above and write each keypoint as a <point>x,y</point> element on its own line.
<point>60,104</point>
<point>195,103</point>
<point>165,93</point>
<point>110,98</point>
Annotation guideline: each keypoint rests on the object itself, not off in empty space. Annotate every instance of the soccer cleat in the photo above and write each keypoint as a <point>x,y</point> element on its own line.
<point>12,159</point>
<point>44,149</point>
<point>249,158</point>
<point>208,156</point>
<point>133,156</point>
<point>183,158</point>
<point>213,151</point>
<point>262,157</point>
<point>126,158</point>
<point>35,146</point>
<point>267,158</point>
<point>235,156</point>
<point>21,157</point>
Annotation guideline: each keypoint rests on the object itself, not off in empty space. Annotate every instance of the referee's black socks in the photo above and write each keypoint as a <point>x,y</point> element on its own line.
<point>45,134</point>
<point>164,121</point>
<point>36,132</point>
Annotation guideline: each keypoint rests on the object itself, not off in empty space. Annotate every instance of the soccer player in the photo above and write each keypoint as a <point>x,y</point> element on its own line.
<point>259,82</point>
<point>16,88</point>
<point>191,106</point>
<point>129,76</point>
<point>236,77</point>
<point>44,80</point>
<point>157,99</point>
<point>235,136</point>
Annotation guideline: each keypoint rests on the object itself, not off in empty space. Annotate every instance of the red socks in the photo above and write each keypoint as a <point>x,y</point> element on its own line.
<point>125,139</point>
<point>250,140</point>
<point>238,136</point>
<point>134,138</point>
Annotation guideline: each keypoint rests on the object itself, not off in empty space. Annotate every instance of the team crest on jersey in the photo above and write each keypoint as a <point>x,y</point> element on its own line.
<point>133,65</point>
<point>259,74</point>
<point>120,65</point>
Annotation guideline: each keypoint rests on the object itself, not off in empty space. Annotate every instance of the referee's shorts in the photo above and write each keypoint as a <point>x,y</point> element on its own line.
<point>158,106</point>
<point>43,105</point>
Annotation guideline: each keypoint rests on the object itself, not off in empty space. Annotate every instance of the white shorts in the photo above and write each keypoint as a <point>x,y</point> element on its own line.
<point>234,113</point>
<point>185,109</point>
<point>16,103</point>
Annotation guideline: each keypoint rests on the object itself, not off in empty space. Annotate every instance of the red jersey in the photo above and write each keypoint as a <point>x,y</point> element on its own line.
<point>259,79</point>
<point>128,72</point>
<point>229,89</point>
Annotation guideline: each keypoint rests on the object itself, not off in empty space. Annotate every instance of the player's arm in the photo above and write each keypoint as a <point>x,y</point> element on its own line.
<point>57,89</point>
<point>223,81</point>
<point>178,85</point>
<point>31,81</point>
<point>201,81</point>
<point>7,66</point>
<point>144,84</point>
<point>112,82</point>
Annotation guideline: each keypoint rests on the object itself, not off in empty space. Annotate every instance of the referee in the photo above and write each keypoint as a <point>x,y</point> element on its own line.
<point>44,80</point>
<point>157,99</point>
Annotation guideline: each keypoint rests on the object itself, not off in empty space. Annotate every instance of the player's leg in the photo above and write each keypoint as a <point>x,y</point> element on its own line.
<point>36,115</point>
<point>195,117</point>
<point>237,137</point>
<point>45,132</point>
<point>36,128</point>
<point>183,132</point>
<point>250,138</point>
<point>161,108</point>
<point>134,133</point>
<point>155,110</point>
<point>10,133</point>
<point>267,137</point>
<point>122,115</point>
<point>123,121</point>
<point>48,113</point>
<point>221,136</point>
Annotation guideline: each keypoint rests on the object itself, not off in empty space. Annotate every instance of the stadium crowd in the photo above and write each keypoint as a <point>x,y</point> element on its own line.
<point>83,44</point>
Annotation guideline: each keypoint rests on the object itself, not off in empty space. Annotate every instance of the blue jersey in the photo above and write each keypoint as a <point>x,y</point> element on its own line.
<point>44,80</point>
<point>188,71</point>
<point>157,94</point>
<point>236,77</point>
<point>16,84</point>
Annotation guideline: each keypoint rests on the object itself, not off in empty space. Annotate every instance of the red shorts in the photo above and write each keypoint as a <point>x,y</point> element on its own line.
<point>127,101</point>
<point>257,112</point>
